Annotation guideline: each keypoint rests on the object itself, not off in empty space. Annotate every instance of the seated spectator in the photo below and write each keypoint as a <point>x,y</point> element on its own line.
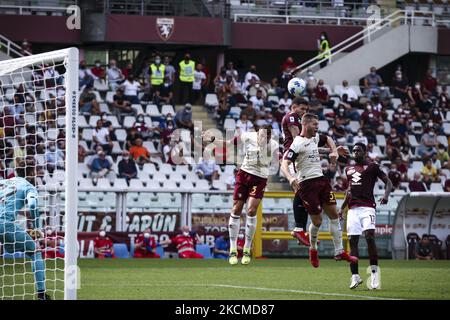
<point>280,113</point>
<point>127,70</point>
<point>414,95</point>
<point>373,155</point>
<point>417,185</point>
<point>223,110</point>
<point>100,137</point>
<point>276,131</point>
<point>173,153</point>
<point>395,176</point>
<point>127,167</point>
<point>399,86</point>
<point>145,246</point>
<point>349,91</point>
<point>98,70</point>
<point>208,169</point>
<point>102,168</point>
<point>115,76</point>
<point>185,244</point>
<point>447,185</point>
<point>230,180</point>
<point>394,143</point>
<point>86,77</point>
<point>443,100</point>
<point>371,123</point>
<point>82,153</point>
<point>424,250</point>
<point>54,158</point>
<point>183,118</point>
<point>222,246</point>
<point>131,88</point>
<point>258,101</point>
<point>429,84</point>
<point>132,136</point>
<point>88,102</point>
<point>322,95</point>
<point>251,74</point>
<point>26,48</point>
<point>164,95</point>
<point>286,101</point>
<point>120,105</point>
<point>249,111</point>
<point>431,171</point>
<point>142,128</point>
<point>373,84</point>
<point>219,83</point>
<point>103,246</point>
<point>442,155</point>
<point>360,138</point>
<point>428,144</point>
<point>140,153</point>
<point>349,110</point>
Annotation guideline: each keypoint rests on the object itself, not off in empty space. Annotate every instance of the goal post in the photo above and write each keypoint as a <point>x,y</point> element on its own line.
<point>39,98</point>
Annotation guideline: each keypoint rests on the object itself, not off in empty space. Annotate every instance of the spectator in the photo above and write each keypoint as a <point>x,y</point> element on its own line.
<point>429,84</point>
<point>120,105</point>
<point>88,102</point>
<point>251,74</point>
<point>98,71</point>
<point>173,152</point>
<point>54,158</point>
<point>424,251</point>
<point>141,127</point>
<point>428,144</point>
<point>340,185</point>
<point>164,95</point>
<point>360,138</point>
<point>222,246</point>
<point>102,168</point>
<point>414,95</point>
<point>157,74</point>
<point>19,151</point>
<point>199,84</point>
<point>208,169</point>
<point>219,82</point>
<point>231,71</point>
<point>275,125</point>
<point>170,71</point>
<point>132,136</point>
<point>140,153</point>
<point>328,169</point>
<point>373,155</point>
<point>223,110</point>
<point>349,91</point>
<point>373,83</point>
<point>115,76</point>
<point>442,155</point>
<point>145,246</point>
<point>286,101</point>
<point>443,99</point>
<point>399,86</point>
<point>243,124</point>
<point>100,137</point>
<point>447,185</point>
<point>183,118</point>
<point>280,113</point>
<point>395,176</point>
<point>185,244</point>
<point>258,101</point>
<point>131,88</point>
<point>324,49</point>
<point>416,185</point>
<point>249,111</point>
<point>26,48</point>
<point>371,123</point>
<point>86,77</point>
<point>350,111</point>
<point>103,246</point>
<point>82,153</point>
<point>187,68</point>
<point>127,167</point>
<point>127,70</point>
<point>322,95</point>
<point>394,144</point>
<point>429,170</point>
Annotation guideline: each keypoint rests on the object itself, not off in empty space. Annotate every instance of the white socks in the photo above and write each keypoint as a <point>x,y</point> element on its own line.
<point>336,233</point>
<point>250,228</point>
<point>313,232</point>
<point>233,229</point>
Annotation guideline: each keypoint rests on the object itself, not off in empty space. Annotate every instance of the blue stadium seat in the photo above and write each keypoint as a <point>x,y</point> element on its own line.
<point>15,255</point>
<point>121,250</point>
<point>160,251</point>
<point>204,250</point>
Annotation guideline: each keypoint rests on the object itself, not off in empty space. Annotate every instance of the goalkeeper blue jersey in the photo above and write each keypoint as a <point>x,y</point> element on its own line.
<point>14,193</point>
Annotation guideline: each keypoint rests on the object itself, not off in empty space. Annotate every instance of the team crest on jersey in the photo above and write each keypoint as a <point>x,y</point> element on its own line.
<point>165,27</point>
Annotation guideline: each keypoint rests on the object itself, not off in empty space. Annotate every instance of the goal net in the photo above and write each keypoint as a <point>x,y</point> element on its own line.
<point>38,187</point>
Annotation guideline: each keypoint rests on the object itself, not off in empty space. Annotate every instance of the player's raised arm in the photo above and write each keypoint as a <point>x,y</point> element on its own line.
<point>333,150</point>
<point>32,204</point>
<point>388,186</point>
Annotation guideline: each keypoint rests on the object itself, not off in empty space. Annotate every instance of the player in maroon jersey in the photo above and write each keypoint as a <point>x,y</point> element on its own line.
<point>361,214</point>
<point>291,126</point>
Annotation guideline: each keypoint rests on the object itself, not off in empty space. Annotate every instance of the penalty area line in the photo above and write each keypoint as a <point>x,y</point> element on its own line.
<point>303,291</point>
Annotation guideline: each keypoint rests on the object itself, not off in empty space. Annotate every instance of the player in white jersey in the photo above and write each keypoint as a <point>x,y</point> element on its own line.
<point>312,187</point>
<point>251,179</point>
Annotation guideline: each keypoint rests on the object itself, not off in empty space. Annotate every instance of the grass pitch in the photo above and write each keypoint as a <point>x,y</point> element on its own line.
<point>263,279</point>
<point>271,279</point>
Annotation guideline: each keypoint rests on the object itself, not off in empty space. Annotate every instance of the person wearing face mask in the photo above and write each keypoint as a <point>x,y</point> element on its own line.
<point>208,169</point>
<point>185,244</point>
<point>120,105</point>
<point>371,122</point>
<point>414,95</point>
<point>131,88</point>
<point>100,137</point>
<point>251,74</point>
<point>428,144</point>
<point>115,76</point>
<point>436,118</point>
<point>98,70</point>
<point>429,84</point>
<point>199,84</point>
<point>142,128</point>
<point>183,118</point>
<point>127,167</point>
<point>88,102</point>
<point>164,95</point>
<point>360,138</point>
<point>324,49</point>
<point>443,155</point>
<point>399,86</point>
<point>322,95</point>
<point>394,144</point>
<point>187,69</point>
<point>145,246</point>
<point>85,75</point>
<point>372,83</point>
<point>157,72</point>
<point>103,246</point>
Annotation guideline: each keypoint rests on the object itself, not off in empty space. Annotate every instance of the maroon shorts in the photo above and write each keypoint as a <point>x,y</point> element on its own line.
<point>248,185</point>
<point>315,193</point>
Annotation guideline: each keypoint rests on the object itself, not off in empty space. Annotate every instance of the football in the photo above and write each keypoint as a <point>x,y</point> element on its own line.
<point>296,86</point>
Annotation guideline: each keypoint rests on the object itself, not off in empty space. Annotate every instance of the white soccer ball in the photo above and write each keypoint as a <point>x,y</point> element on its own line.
<point>296,86</point>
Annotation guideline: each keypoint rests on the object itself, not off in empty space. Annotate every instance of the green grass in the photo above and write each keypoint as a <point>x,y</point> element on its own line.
<point>273,278</point>
<point>170,279</point>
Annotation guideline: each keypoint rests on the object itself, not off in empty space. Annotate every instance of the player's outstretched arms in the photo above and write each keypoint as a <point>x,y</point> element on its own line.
<point>333,150</point>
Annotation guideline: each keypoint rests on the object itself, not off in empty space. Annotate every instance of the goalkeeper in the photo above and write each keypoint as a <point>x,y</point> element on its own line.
<point>14,194</point>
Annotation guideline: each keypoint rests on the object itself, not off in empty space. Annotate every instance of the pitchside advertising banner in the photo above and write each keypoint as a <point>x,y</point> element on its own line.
<point>165,225</point>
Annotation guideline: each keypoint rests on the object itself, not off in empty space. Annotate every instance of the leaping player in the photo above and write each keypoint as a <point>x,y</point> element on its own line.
<point>312,187</point>
<point>361,214</point>
<point>14,194</point>
<point>292,127</point>
<point>251,179</point>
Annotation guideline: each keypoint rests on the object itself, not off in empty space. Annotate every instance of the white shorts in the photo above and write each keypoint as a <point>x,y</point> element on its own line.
<point>360,219</point>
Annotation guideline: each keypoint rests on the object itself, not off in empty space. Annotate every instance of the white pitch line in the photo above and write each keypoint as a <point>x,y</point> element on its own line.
<point>303,291</point>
